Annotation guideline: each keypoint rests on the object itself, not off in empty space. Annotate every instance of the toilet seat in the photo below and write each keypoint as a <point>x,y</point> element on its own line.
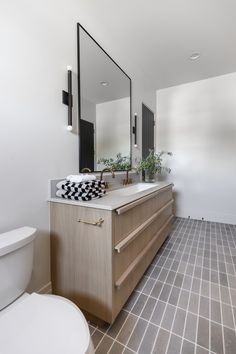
<point>42,324</point>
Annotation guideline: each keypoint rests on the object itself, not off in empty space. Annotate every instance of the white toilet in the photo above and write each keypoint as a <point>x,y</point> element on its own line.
<point>34,324</point>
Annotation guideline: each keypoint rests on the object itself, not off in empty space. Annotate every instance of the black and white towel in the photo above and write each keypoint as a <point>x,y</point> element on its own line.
<point>80,187</point>
<point>94,193</point>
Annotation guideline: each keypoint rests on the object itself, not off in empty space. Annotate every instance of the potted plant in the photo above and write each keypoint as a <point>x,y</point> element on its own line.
<point>152,165</point>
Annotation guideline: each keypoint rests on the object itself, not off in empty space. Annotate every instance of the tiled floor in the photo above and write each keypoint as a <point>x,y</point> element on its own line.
<point>186,301</point>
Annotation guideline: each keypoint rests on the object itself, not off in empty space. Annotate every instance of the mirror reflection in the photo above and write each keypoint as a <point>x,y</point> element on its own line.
<point>104,108</point>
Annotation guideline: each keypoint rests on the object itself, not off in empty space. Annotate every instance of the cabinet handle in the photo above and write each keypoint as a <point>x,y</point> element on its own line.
<point>95,223</point>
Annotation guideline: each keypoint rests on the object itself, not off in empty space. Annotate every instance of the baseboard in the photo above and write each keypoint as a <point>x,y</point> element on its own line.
<point>46,289</point>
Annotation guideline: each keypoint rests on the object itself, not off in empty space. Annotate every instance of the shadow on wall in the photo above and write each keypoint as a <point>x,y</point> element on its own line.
<point>41,266</point>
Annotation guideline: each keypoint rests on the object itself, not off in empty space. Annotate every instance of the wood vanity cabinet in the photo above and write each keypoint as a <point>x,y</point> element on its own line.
<point>98,267</point>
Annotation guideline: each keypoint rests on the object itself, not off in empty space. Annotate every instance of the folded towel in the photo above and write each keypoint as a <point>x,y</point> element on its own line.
<point>80,196</point>
<point>80,178</point>
<point>78,187</point>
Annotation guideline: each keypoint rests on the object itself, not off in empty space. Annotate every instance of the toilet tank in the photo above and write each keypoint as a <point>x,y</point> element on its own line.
<point>16,263</point>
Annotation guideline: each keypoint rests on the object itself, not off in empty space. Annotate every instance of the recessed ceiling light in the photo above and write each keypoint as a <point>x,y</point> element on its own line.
<point>194,56</point>
<point>104,83</point>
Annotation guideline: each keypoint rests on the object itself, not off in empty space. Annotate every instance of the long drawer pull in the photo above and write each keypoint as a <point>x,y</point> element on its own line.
<point>131,237</point>
<point>99,222</point>
<point>141,200</point>
<point>138,259</point>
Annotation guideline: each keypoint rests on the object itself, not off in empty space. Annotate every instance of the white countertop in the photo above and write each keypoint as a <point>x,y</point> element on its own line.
<point>116,198</point>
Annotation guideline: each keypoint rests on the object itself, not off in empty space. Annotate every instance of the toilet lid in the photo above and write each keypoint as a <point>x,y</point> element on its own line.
<point>43,324</point>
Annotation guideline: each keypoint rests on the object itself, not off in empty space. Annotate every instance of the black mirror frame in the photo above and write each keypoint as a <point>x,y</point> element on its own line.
<point>79,90</point>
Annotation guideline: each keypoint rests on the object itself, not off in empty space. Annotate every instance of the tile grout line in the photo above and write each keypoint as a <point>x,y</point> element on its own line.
<point>162,317</point>
<point>172,286</point>
<point>157,299</point>
<point>187,309</point>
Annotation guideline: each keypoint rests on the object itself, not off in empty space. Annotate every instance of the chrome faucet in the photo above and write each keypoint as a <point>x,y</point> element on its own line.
<point>107,170</point>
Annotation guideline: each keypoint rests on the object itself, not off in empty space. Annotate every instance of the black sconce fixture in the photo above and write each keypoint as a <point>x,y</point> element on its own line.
<point>67,97</point>
<point>135,130</point>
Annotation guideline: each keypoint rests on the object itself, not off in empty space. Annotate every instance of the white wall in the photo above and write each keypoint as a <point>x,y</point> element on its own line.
<point>197,122</point>
<point>38,41</point>
<point>113,128</point>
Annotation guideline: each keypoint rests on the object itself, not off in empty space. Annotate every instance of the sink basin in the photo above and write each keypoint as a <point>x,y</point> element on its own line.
<point>136,188</point>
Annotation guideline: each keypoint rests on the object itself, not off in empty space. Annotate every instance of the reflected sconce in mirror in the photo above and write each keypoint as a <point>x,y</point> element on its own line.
<point>67,97</point>
<point>135,130</point>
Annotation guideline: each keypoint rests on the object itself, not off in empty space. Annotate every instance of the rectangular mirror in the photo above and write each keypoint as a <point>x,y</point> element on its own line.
<point>104,108</point>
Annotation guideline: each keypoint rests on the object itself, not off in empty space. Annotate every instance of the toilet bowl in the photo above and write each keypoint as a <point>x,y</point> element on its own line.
<point>33,323</point>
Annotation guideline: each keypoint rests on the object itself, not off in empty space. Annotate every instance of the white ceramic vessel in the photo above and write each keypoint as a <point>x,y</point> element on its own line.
<point>33,323</point>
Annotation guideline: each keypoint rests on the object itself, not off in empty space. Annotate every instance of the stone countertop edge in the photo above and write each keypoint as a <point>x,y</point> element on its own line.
<point>112,200</point>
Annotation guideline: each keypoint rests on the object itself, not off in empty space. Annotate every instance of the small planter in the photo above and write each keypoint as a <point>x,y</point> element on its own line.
<point>149,177</point>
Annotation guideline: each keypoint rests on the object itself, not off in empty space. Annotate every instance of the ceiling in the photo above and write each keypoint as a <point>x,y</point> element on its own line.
<point>160,35</point>
<point>96,67</point>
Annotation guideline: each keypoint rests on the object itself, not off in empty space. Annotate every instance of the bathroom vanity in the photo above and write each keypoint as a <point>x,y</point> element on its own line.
<point>100,249</point>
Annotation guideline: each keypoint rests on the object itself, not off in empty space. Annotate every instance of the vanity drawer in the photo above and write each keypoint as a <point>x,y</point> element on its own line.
<point>131,216</point>
<point>124,286</point>
<point>129,248</point>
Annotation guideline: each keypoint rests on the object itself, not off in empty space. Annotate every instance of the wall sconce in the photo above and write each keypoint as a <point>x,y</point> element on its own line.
<point>67,97</point>
<point>135,130</point>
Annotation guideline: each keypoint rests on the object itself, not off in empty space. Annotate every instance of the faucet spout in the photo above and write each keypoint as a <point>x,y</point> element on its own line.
<point>107,170</point>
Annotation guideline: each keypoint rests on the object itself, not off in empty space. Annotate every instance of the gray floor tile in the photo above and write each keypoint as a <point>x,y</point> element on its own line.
<point>139,305</point>
<point>179,322</point>
<point>168,317</point>
<point>96,338</point>
<point>174,296</point>
<point>165,293</point>
<point>215,292</point>
<point>187,348</point>
<point>187,283</point>
<point>191,327</point>
<point>158,313</point>
<point>225,295</point>
<point>200,350</point>
<point>127,329</point>
<point>117,348</point>
<point>161,342</point>
<point>183,299</point>
<point>163,274</point>
<point>157,289</point>
<point>230,341</point>
<point>148,308</point>
<point>227,315</point>
<point>115,328</point>
<point>131,301</point>
<point>127,351</point>
<point>205,288</point>
<point>148,286</point>
<point>137,335</point>
<point>215,311</point>
<point>104,345</point>
<point>203,332</point>
<point>178,280</point>
<point>171,277</point>
<point>216,338</point>
<point>174,344</point>
<point>193,303</point>
<point>148,340</point>
<point>204,307</point>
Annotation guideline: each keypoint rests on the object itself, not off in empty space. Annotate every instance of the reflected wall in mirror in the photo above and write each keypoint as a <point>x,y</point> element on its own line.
<point>104,108</point>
